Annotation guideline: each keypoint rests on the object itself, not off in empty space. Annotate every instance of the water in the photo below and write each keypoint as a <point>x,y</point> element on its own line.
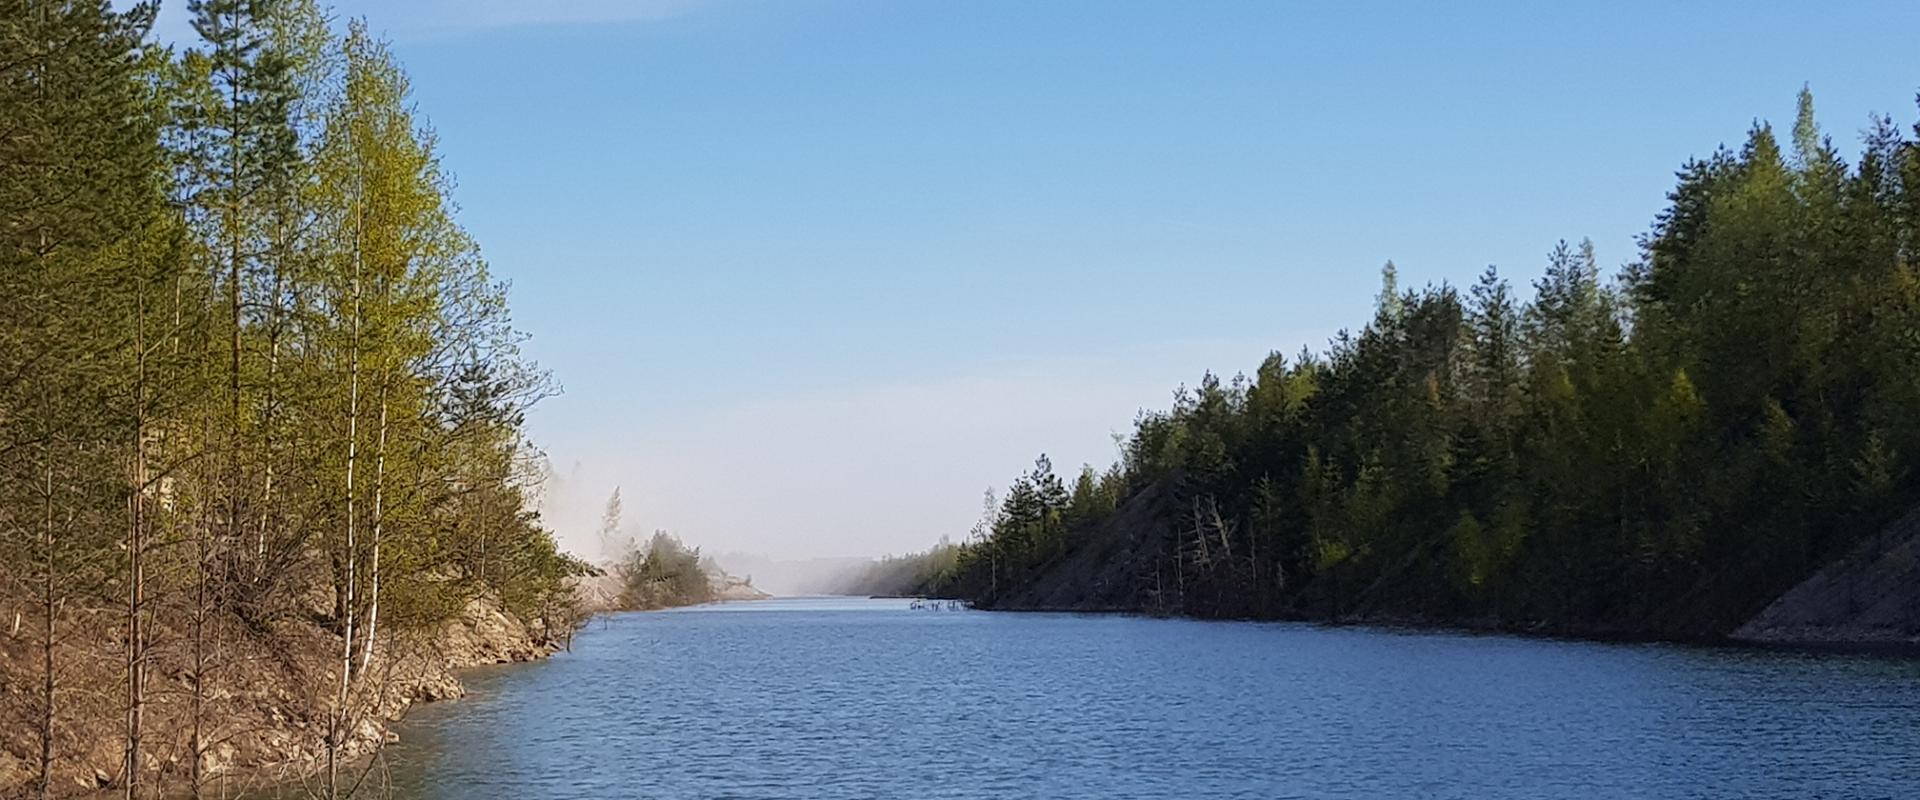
<point>868,699</point>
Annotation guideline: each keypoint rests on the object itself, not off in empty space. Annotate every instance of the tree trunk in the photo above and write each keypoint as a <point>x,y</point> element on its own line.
<point>196,744</point>
<point>136,554</point>
<point>203,532</point>
<point>234,259</point>
<point>48,607</point>
<point>275,320</point>
<point>338,723</point>
<point>379,497</point>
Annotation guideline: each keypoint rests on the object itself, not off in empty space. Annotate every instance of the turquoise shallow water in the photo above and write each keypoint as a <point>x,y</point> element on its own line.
<point>855,698</point>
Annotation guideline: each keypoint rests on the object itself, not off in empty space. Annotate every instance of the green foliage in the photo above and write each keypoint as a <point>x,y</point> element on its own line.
<point>662,574</point>
<point>1665,452</point>
<point>912,575</point>
<point>252,372</point>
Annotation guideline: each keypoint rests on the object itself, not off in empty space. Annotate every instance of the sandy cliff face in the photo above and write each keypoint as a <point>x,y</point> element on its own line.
<point>1869,597</point>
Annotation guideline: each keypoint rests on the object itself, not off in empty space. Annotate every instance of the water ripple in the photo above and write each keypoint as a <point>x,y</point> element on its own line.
<point>854,700</point>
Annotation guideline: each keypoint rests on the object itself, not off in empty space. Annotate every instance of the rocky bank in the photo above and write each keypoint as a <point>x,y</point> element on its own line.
<point>269,696</point>
<point>1868,598</point>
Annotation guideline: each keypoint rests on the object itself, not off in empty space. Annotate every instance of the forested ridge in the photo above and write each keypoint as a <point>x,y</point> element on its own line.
<point>260,401</point>
<point>1658,453</point>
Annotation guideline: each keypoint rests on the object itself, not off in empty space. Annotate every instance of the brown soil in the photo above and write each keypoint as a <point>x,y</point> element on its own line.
<point>268,700</point>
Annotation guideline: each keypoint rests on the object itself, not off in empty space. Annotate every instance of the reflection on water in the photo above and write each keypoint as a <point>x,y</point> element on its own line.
<point>845,698</point>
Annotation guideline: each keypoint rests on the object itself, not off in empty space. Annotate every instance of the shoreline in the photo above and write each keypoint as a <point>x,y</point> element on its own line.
<point>270,702</point>
<point>271,780</point>
<point>1895,649</point>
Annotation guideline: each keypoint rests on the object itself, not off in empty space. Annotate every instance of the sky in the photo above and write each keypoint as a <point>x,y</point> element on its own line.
<point>814,274</point>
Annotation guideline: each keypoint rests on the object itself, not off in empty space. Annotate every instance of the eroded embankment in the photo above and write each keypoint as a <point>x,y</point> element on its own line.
<point>265,710</point>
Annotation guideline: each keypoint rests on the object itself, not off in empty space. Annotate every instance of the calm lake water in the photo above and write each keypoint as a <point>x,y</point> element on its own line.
<point>844,698</point>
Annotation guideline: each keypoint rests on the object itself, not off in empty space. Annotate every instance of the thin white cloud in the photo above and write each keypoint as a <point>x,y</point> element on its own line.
<point>864,470</point>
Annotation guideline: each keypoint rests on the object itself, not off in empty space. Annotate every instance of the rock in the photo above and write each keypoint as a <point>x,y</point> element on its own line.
<point>269,700</point>
<point>1870,597</point>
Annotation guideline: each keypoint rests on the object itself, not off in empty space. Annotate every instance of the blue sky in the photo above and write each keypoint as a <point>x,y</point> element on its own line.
<point>814,274</point>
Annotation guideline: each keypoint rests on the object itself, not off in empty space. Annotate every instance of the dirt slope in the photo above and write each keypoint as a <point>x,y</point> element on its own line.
<point>268,699</point>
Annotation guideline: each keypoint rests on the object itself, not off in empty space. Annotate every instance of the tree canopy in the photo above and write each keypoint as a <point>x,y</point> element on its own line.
<point>1663,452</point>
<point>253,375</point>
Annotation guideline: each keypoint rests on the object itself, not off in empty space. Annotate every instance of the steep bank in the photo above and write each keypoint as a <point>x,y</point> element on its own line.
<point>268,699</point>
<point>1867,598</point>
<point>1870,596</point>
<point>1104,568</point>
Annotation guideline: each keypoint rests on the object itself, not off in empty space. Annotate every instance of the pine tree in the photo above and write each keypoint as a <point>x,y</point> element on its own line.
<point>611,547</point>
<point>78,157</point>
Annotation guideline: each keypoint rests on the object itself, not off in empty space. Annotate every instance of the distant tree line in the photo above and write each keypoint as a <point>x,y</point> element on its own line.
<point>252,375</point>
<point>1662,452</point>
<point>910,575</point>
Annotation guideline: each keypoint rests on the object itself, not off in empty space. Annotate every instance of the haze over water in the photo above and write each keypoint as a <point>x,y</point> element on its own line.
<point>846,698</point>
